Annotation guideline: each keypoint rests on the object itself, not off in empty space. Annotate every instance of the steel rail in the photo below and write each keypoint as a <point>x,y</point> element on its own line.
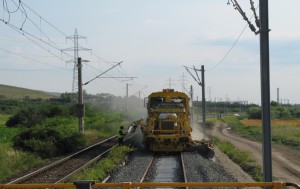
<point>85,165</point>
<point>183,169</point>
<point>59,162</point>
<point>91,162</point>
<point>127,185</point>
<point>147,169</point>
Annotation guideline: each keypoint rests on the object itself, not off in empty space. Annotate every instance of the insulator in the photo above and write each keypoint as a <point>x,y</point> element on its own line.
<point>257,22</point>
<point>252,27</point>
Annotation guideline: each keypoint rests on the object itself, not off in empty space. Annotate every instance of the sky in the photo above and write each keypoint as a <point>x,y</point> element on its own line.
<point>154,40</point>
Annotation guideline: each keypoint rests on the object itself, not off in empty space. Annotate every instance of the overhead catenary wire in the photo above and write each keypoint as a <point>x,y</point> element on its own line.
<point>39,28</point>
<point>65,35</point>
<point>237,39</point>
<point>49,45</point>
<point>53,45</point>
<point>229,50</point>
<point>23,33</point>
<point>25,57</point>
<point>5,6</point>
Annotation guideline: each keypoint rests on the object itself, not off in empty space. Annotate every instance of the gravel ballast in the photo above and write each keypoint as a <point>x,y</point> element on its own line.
<point>199,169</point>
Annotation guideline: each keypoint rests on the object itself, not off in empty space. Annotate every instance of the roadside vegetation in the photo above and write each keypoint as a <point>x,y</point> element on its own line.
<point>101,169</point>
<point>243,158</point>
<point>285,123</point>
<point>35,131</point>
<point>285,130</point>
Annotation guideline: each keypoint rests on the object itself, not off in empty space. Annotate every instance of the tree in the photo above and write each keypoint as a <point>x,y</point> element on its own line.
<point>254,112</point>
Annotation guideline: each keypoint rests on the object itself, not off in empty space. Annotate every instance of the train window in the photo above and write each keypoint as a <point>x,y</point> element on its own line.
<point>156,102</point>
<point>161,102</point>
<point>179,102</point>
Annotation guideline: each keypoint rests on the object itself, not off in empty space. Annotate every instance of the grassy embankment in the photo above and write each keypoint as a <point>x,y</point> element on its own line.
<point>97,126</point>
<point>243,158</point>
<point>12,161</point>
<point>102,168</point>
<point>12,92</point>
<point>286,132</point>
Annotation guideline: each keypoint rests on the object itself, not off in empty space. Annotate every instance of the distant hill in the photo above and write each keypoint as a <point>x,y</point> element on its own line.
<point>11,92</point>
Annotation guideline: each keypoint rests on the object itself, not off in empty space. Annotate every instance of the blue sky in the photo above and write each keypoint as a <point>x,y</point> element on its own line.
<point>155,39</point>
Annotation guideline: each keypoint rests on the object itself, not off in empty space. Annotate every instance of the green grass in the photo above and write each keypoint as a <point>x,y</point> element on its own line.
<point>12,92</point>
<point>99,125</point>
<point>3,119</point>
<point>288,135</point>
<point>14,162</point>
<point>7,134</point>
<point>244,159</point>
<point>100,170</point>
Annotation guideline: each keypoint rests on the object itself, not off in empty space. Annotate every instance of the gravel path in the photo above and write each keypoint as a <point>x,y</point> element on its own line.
<point>285,164</point>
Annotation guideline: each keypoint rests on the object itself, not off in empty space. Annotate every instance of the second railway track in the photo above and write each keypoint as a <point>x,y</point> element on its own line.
<point>62,169</point>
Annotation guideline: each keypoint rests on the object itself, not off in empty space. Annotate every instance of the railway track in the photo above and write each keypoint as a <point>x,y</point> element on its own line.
<point>165,168</point>
<point>66,167</point>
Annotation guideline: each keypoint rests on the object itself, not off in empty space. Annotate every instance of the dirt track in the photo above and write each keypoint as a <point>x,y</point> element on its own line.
<point>285,162</point>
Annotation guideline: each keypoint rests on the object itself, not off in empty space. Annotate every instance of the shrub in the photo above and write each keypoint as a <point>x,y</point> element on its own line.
<point>47,142</point>
<point>254,113</point>
<point>30,115</point>
<point>71,143</point>
<point>26,117</point>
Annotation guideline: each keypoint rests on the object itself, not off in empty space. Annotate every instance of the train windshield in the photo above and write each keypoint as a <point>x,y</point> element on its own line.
<point>160,102</point>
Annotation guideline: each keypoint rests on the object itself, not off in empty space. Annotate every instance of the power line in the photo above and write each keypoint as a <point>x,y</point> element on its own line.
<point>39,29</point>
<point>33,38</point>
<point>60,31</point>
<point>17,54</point>
<point>44,19</point>
<point>24,32</point>
<point>239,36</point>
<point>229,50</point>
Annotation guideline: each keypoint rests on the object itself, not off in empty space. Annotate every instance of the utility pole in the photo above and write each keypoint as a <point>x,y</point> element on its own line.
<point>80,105</point>
<point>278,95</point>
<point>263,24</point>
<point>127,97</point>
<point>192,106</point>
<point>203,97</point>
<point>202,84</point>
<point>265,89</point>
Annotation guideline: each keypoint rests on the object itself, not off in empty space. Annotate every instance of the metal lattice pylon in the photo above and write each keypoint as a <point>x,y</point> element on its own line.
<point>76,50</point>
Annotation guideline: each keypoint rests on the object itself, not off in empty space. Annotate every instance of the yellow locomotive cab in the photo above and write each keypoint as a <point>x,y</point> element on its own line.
<point>167,127</point>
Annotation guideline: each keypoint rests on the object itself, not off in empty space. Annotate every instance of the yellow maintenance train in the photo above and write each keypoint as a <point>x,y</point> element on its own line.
<point>167,127</point>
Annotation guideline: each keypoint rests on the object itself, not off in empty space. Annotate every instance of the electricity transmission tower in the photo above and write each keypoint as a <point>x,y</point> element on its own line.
<point>169,83</point>
<point>76,50</point>
<point>183,83</point>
